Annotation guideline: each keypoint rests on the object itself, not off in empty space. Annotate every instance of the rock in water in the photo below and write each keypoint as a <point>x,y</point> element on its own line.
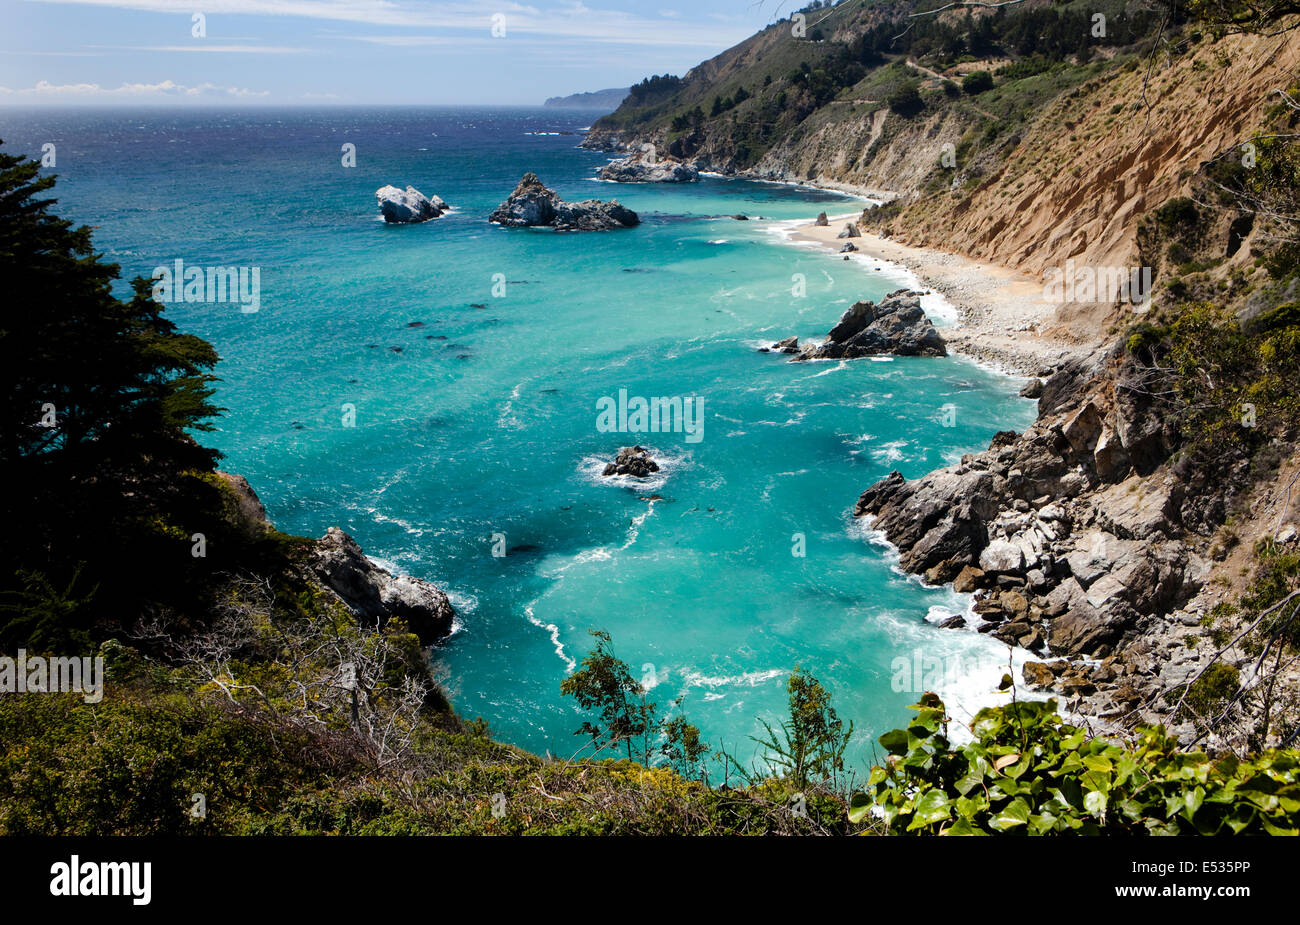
<point>822,220</point>
<point>631,169</point>
<point>785,345</point>
<point>632,460</point>
<point>897,325</point>
<point>405,207</point>
<point>374,594</point>
<point>533,205</point>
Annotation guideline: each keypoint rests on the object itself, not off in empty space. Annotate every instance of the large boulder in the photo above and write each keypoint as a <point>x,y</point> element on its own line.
<point>376,595</point>
<point>897,325</point>
<point>405,207</point>
<point>534,205</point>
<point>1002,556</point>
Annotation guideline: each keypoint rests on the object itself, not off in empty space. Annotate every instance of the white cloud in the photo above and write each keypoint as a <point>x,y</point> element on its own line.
<point>166,89</point>
<point>203,47</point>
<point>572,20</point>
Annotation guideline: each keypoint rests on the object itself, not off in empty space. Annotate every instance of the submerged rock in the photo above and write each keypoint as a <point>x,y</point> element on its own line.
<point>632,460</point>
<point>376,595</point>
<point>534,205</point>
<point>896,325</point>
<point>785,345</point>
<point>632,169</point>
<point>406,207</point>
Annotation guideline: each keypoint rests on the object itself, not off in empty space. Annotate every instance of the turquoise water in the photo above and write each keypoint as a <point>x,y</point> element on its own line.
<point>482,430</point>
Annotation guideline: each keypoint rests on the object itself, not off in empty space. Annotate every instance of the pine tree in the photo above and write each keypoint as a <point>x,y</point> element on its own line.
<point>100,468</point>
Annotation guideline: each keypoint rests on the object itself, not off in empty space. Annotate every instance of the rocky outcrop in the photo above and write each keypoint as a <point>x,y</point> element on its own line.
<point>374,594</point>
<point>897,325</point>
<point>633,169</point>
<point>244,507</point>
<point>850,231</point>
<point>534,205</point>
<point>1068,547</point>
<point>635,461</point>
<point>338,566</point>
<point>409,206</point>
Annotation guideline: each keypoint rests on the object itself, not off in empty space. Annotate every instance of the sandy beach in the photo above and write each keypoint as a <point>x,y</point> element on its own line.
<point>1001,313</point>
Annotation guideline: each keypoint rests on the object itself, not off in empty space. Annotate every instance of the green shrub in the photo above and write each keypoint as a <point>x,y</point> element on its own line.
<point>977,82</point>
<point>1028,772</point>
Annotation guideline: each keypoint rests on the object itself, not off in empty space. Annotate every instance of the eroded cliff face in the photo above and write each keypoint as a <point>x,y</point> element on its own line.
<point>1068,177</point>
<point>1094,161</point>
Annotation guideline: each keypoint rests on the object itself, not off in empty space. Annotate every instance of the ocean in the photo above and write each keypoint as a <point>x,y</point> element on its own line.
<point>434,390</point>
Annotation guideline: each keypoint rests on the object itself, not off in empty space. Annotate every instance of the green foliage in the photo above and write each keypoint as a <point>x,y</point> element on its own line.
<point>807,749</point>
<point>1212,690</point>
<point>131,765</point>
<point>906,99</point>
<point>682,746</point>
<point>977,82</point>
<point>1276,575</point>
<point>1236,15</point>
<point>1027,772</point>
<point>1221,367</point>
<point>605,684</point>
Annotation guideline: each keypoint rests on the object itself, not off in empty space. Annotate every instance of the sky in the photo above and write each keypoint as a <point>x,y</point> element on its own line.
<point>312,52</point>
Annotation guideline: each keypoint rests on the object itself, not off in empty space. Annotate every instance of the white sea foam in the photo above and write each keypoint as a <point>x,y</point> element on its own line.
<point>692,678</point>
<point>890,452</point>
<point>569,664</point>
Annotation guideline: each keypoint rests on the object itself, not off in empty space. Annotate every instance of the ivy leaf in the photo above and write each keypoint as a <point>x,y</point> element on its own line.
<point>860,807</point>
<point>895,741</point>
<point>1016,813</point>
<point>963,827</point>
<point>1094,802</point>
<point>931,808</point>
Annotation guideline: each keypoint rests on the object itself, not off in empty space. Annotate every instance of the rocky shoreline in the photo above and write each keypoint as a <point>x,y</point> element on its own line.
<point>1076,539</point>
<point>635,169</point>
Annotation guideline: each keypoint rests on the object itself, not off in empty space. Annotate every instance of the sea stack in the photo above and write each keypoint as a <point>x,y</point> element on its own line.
<point>409,206</point>
<point>534,205</point>
<point>896,325</point>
